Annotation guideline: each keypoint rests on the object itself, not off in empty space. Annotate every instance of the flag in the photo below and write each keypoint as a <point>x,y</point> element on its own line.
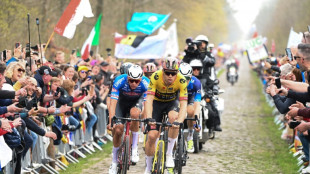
<point>294,38</point>
<point>132,40</point>
<point>172,46</point>
<point>72,16</point>
<point>146,22</point>
<point>93,39</point>
<point>152,47</point>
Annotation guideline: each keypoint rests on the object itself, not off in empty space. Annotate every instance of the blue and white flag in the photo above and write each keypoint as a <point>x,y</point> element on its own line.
<point>146,22</point>
<point>152,47</point>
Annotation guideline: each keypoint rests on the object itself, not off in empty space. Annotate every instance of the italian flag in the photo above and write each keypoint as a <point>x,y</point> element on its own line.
<point>72,16</point>
<point>93,39</point>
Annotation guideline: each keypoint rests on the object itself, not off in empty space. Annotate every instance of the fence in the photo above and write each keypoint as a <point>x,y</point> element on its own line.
<point>80,144</point>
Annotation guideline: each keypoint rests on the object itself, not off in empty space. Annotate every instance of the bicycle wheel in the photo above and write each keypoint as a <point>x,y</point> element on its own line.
<point>159,161</point>
<point>196,142</point>
<point>125,156</point>
<point>179,154</point>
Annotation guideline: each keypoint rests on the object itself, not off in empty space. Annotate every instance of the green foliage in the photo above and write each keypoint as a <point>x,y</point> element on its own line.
<point>194,17</point>
<point>277,18</point>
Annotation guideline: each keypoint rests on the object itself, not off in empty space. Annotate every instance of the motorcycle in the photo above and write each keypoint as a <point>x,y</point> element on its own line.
<point>232,75</point>
<point>205,133</point>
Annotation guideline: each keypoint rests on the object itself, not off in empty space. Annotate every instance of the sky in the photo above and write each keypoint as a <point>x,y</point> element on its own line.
<point>246,12</point>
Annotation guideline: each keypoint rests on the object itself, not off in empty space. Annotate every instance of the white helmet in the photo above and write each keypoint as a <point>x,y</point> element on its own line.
<point>211,45</point>
<point>186,70</point>
<point>202,38</point>
<point>135,72</point>
<point>196,63</point>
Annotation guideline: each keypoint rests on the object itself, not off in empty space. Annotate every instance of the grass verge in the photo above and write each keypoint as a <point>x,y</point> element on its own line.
<point>89,161</point>
<point>220,72</point>
<point>278,153</point>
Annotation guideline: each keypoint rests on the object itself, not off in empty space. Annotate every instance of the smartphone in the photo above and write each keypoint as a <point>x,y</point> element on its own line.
<point>73,51</point>
<point>76,87</point>
<point>4,55</point>
<point>293,124</point>
<point>278,83</point>
<point>17,44</point>
<point>28,51</point>
<point>289,54</point>
<point>309,28</point>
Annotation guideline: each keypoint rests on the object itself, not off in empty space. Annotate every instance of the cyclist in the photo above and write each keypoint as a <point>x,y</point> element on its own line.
<point>149,69</point>
<point>128,93</point>
<point>162,96</point>
<point>194,99</point>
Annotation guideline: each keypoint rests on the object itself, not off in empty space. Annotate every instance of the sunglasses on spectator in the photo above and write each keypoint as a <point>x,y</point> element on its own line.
<point>83,71</point>
<point>296,57</point>
<point>21,70</point>
<point>134,81</point>
<point>168,73</point>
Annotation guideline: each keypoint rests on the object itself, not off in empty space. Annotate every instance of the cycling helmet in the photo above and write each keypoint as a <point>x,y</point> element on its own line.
<point>149,68</point>
<point>171,63</point>
<point>196,63</point>
<point>202,38</point>
<point>186,70</point>
<point>124,67</point>
<point>135,72</point>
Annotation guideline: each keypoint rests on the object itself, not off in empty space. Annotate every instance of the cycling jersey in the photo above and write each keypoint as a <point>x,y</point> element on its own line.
<point>194,89</point>
<point>121,88</point>
<point>165,93</point>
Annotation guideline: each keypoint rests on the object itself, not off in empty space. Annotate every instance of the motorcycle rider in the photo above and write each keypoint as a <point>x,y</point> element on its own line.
<point>231,63</point>
<point>197,51</point>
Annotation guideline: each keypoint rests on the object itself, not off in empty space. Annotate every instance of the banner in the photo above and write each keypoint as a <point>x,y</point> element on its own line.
<point>152,47</point>
<point>294,39</point>
<point>72,16</point>
<point>256,49</point>
<point>146,22</point>
<point>172,46</point>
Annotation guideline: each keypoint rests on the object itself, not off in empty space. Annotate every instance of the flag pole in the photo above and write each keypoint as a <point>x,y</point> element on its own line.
<point>49,40</point>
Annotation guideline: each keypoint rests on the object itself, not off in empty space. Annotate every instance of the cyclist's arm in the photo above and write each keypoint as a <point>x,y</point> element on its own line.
<point>183,111</point>
<point>148,107</point>
<point>112,107</point>
<point>197,99</point>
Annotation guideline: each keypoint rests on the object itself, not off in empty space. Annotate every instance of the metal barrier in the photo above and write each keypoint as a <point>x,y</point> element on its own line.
<point>81,143</point>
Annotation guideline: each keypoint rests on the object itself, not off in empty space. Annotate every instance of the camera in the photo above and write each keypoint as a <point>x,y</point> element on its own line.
<point>109,51</point>
<point>28,50</point>
<point>84,91</point>
<point>293,124</point>
<point>57,91</point>
<point>191,44</point>
<point>68,113</point>
<point>23,102</point>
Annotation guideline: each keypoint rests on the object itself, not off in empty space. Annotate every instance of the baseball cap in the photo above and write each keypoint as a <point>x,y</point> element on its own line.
<point>47,71</point>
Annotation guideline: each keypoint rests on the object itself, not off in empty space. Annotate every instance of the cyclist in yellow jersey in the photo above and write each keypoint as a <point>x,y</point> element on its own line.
<point>166,90</point>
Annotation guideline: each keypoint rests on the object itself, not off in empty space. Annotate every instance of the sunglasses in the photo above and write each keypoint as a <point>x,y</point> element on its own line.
<point>134,81</point>
<point>188,78</point>
<point>296,57</point>
<point>83,71</point>
<point>21,70</point>
<point>168,73</point>
<point>196,68</point>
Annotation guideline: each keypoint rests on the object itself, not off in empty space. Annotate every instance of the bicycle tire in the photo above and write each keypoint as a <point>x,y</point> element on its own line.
<point>179,156</point>
<point>125,156</point>
<point>160,165</point>
<point>196,142</point>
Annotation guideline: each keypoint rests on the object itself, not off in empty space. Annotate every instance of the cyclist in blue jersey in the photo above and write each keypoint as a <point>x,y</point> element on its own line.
<point>127,95</point>
<point>194,99</point>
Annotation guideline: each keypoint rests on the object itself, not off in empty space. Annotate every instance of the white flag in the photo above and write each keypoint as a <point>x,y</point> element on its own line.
<point>172,46</point>
<point>294,38</point>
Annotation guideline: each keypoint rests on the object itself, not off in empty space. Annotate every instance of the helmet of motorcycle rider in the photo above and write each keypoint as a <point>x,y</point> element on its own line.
<point>124,67</point>
<point>211,45</point>
<point>186,70</point>
<point>202,38</point>
<point>171,63</point>
<point>135,72</point>
<point>149,68</point>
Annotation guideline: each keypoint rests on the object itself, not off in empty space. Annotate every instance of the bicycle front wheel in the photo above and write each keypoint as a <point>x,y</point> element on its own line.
<point>160,161</point>
<point>179,154</point>
<point>125,156</point>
